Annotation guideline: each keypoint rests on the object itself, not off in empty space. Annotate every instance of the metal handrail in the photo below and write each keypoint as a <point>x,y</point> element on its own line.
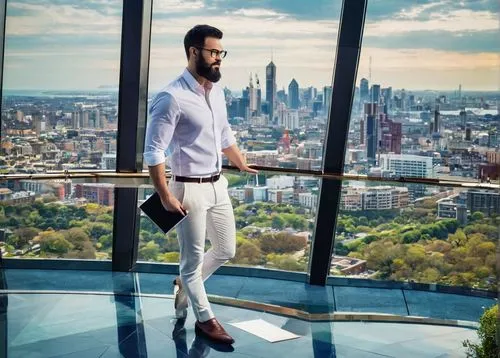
<point>100,174</point>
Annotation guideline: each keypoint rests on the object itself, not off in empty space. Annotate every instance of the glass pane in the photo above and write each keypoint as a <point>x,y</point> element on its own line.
<point>276,76</point>
<point>274,216</point>
<point>427,91</point>
<point>418,233</point>
<point>61,73</point>
<point>56,219</point>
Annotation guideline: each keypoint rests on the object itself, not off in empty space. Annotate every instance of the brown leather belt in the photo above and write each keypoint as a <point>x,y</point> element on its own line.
<point>211,179</point>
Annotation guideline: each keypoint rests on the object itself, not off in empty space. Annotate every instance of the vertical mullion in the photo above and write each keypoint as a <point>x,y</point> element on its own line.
<point>352,21</point>
<point>132,114</point>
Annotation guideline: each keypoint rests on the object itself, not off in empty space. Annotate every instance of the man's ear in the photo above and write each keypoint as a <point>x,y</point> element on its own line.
<point>193,51</point>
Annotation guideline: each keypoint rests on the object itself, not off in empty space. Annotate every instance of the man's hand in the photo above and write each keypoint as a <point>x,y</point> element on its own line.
<point>235,158</point>
<point>246,168</point>
<point>170,203</point>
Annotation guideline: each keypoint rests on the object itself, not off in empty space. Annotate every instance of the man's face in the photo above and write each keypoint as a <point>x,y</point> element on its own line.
<point>206,65</point>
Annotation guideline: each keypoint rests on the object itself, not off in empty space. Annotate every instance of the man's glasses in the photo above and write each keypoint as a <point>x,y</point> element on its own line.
<point>214,53</point>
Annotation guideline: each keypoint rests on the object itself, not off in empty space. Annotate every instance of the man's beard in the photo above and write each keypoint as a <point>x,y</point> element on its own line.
<point>208,71</point>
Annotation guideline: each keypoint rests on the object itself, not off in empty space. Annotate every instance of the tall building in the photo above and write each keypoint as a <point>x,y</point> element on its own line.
<point>437,120</point>
<point>288,119</point>
<point>375,94</point>
<point>406,165</point>
<point>271,89</point>
<point>76,120</point>
<point>463,118</point>
<point>362,132</point>
<point>293,94</point>
<point>370,111</point>
<point>259,95</point>
<point>39,123</point>
<point>468,132</point>
<point>281,96</point>
<point>364,94</point>
<point>327,98</point>
<point>390,135</point>
<point>94,119</point>
<point>253,93</point>
<point>387,95</point>
<point>84,119</point>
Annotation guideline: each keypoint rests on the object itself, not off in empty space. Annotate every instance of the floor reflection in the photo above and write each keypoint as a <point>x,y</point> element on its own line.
<point>4,300</point>
<point>130,325</point>
<point>200,347</point>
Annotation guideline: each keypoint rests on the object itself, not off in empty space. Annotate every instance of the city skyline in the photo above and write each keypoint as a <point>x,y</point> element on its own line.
<point>437,45</point>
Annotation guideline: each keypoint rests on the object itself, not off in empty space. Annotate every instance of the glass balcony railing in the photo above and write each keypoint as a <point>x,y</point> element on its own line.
<point>418,233</point>
<point>274,216</point>
<point>56,219</point>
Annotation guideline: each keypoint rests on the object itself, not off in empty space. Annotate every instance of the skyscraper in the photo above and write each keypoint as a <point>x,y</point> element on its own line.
<point>375,94</point>
<point>371,132</point>
<point>364,94</point>
<point>271,89</point>
<point>390,135</point>
<point>387,94</point>
<point>259,95</point>
<point>327,98</point>
<point>293,94</point>
<point>437,117</point>
<point>254,96</point>
<point>463,118</point>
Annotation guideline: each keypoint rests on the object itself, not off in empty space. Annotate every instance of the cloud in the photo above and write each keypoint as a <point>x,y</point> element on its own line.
<point>484,41</point>
<point>175,6</point>
<point>455,21</point>
<point>256,12</point>
<point>432,39</point>
<point>238,25</point>
<point>415,11</point>
<point>60,19</point>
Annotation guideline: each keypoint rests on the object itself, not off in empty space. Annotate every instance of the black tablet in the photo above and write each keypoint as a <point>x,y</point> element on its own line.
<point>165,220</point>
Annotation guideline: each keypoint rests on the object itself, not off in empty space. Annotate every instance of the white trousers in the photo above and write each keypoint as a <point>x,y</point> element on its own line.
<point>210,217</point>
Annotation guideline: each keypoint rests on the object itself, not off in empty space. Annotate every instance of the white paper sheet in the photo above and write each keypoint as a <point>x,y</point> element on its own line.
<point>265,330</point>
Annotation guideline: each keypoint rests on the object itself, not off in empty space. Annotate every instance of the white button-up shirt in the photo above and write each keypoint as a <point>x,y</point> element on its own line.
<point>190,121</point>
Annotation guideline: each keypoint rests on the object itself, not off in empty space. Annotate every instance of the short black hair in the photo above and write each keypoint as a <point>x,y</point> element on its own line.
<point>196,36</point>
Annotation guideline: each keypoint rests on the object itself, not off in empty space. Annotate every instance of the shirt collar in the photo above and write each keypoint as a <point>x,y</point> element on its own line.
<point>194,84</point>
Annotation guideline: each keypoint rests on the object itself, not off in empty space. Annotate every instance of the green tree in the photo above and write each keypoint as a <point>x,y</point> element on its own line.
<point>278,222</point>
<point>22,236</point>
<point>281,243</point>
<point>53,243</point>
<point>170,257</point>
<point>457,239</point>
<point>248,253</point>
<point>150,251</point>
<point>106,241</point>
<point>285,262</point>
<point>487,332</point>
<point>96,230</point>
<point>477,216</point>
<point>77,237</point>
<point>104,218</point>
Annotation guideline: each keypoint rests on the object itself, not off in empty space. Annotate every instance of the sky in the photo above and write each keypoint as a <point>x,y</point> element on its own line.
<point>413,44</point>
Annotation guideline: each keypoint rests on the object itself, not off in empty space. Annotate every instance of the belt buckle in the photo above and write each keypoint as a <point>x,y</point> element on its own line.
<point>200,180</point>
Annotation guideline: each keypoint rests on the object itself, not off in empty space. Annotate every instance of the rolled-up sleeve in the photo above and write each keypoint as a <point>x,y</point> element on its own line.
<point>227,137</point>
<point>164,116</point>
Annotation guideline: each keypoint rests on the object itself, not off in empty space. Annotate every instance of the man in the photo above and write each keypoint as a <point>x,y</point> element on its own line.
<point>189,118</point>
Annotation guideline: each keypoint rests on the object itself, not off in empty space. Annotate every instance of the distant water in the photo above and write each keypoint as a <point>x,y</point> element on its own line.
<point>49,93</point>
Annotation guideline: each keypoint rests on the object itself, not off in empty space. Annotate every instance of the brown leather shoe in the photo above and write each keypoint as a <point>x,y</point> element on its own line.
<point>213,330</point>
